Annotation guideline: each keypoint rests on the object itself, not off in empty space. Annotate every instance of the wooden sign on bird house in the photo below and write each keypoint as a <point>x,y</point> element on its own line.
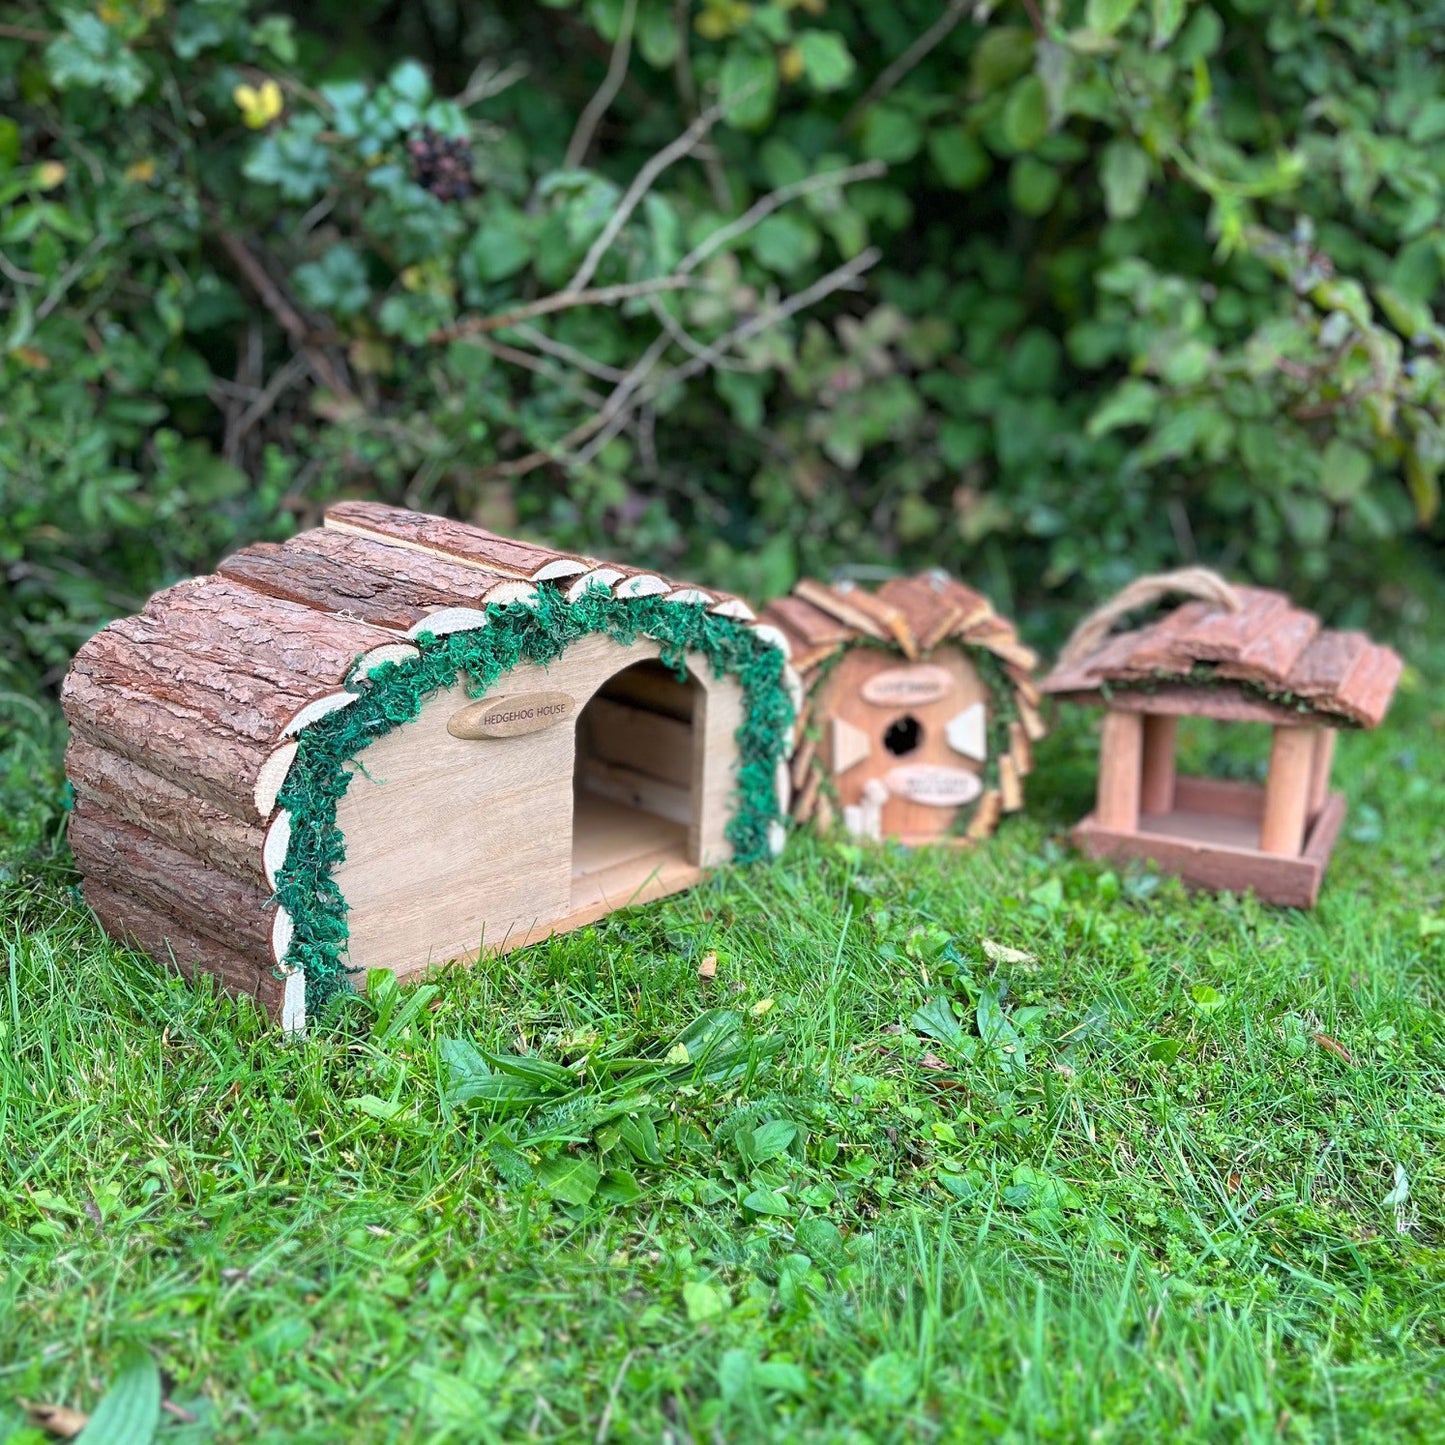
<point>398,740</point>
<point>920,710</point>
<point>1238,654</point>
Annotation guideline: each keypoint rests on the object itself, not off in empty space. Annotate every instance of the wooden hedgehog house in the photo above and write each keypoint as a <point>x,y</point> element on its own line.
<point>920,709</point>
<point>397,740</point>
<point>1235,654</point>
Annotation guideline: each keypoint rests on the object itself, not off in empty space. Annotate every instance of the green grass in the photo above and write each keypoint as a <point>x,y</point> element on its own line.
<point>1149,1205</point>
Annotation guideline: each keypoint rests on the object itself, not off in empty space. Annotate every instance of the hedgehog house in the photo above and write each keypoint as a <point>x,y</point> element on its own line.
<point>920,709</point>
<point>1236,654</point>
<point>397,740</point>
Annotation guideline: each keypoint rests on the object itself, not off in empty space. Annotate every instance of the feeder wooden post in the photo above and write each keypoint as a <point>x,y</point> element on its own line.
<point>1324,757</point>
<point>1121,748</point>
<point>1161,734</point>
<point>1287,791</point>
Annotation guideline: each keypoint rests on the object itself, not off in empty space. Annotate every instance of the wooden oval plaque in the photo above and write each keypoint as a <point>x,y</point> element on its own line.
<point>934,785</point>
<point>510,717</point>
<point>908,686</point>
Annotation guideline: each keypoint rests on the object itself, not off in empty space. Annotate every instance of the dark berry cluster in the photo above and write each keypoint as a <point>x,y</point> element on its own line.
<point>441,164</point>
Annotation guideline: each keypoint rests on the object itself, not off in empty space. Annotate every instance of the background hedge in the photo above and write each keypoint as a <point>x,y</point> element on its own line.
<point>1085,288</point>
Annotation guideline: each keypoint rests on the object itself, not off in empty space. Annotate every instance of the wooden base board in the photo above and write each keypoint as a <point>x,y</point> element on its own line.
<point>1212,843</point>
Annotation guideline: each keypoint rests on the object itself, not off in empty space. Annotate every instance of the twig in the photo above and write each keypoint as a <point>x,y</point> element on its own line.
<point>709,356</point>
<point>687,93</point>
<point>605,1424</point>
<point>606,93</point>
<point>18,274</point>
<point>56,294</point>
<point>486,82</point>
<point>917,52</point>
<point>284,379</point>
<point>686,339</point>
<point>22,32</point>
<point>559,301</point>
<point>552,347</point>
<point>286,315</point>
<point>526,360</point>
<point>766,205</point>
<point>641,184</point>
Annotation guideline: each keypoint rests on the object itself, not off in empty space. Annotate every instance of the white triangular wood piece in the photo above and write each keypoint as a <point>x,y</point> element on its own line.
<point>850,746</point>
<point>968,732</point>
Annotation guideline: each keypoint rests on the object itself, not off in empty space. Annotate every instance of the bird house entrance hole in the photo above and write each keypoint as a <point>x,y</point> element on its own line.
<point>634,806</point>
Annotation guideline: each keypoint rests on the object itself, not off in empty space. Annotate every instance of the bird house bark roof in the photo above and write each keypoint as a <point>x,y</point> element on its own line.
<point>1207,659</point>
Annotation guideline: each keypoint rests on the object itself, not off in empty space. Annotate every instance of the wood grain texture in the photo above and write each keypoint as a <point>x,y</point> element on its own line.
<point>1287,791</point>
<point>1160,743</point>
<point>231,911</point>
<point>455,846</point>
<point>170,942</point>
<point>166,809</point>
<point>853,721</point>
<point>1121,760</point>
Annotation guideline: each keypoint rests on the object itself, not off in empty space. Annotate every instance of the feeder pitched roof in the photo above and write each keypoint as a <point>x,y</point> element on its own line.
<point>1270,646</point>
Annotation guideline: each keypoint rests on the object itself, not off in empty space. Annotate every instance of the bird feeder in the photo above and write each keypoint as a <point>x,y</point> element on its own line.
<point>397,740</point>
<point>920,709</point>
<point>1236,654</point>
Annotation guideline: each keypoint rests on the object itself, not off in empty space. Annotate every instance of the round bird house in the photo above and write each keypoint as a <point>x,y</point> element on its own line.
<point>920,709</point>
<point>1237,655</point>
<point>397,740</point>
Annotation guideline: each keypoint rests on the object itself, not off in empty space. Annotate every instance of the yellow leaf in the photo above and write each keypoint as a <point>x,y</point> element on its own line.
<point>49,174</point>
<point>141,171</point>
<point>259,105</point>
<point>790,65</point>
<point>762,1006</point>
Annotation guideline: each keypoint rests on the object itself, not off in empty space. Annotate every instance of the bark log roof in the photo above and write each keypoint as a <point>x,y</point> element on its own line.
<point>912,614</point>
<point>1268,644</point>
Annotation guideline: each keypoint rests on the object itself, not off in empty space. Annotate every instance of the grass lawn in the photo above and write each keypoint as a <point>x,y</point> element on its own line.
<point>1169,1171</point>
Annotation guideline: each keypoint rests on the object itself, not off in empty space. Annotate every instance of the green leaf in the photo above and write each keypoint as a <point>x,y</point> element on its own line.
<point>1163,1051</point>
<point>130,1411</point>
<point>768,1201</point>
<point>827,62</point>
<point>1124,175</point>
<point>1104,17</point>
<point>1206,998</point>
<point>377,1108</point>
<point>1039,1189</point>
<point>1344,471</point>
<point>1002,55</point>
<point>657,37</point>
<point>705,1301</point>
<point>1167,16</point>
<point>1026,114</point>
<point>1033,185</point>
<point>766,1141</point>
<point>336,282</point>
<point>409,81</point>
<point>502,247</point>
<point>748,87</point>
<point>890,134</point>
<point>958,157</point>
<point>890,1380</point>
<point>785,243</point>
<point>1134,402</point>
<point>90,55</point>
<point>999,1034</point>
<point>572,1179</point>
<point>938,1020</point>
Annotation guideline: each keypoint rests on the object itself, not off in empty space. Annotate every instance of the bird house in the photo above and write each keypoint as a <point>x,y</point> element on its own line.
<point>920,709</point>
<point>1239,655</point>
<point>397,740</point>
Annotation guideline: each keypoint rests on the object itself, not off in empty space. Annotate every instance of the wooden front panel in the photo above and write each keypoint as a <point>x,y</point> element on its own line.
<point>457,844</point>
<point>844,697</point>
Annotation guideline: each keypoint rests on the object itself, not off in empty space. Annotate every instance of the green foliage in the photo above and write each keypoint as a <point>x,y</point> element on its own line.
<point>1156,281</point>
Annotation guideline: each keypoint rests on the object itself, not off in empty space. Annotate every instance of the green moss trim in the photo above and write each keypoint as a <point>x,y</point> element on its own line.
<point>515,634</point>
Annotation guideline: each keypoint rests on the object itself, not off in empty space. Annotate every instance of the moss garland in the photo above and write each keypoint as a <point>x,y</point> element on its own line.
<point>1203,675</point>
<point>514,634</point>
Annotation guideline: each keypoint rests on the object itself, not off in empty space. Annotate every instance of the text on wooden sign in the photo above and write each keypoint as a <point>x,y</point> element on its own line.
<point>900,686</point>
<point>938,787</point>
<point>510,717</point>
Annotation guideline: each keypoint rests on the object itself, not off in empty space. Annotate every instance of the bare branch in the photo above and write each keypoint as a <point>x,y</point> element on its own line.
<point>641,184</point>
<point>837,279</point>
<point>598,106</point>
<point>552,347</point>
<point>558,301</point>
<point>917,52</point>
<point>687,93</point>
<point>486,82</point>
<point>771,202</point>
<point>686,339</point>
